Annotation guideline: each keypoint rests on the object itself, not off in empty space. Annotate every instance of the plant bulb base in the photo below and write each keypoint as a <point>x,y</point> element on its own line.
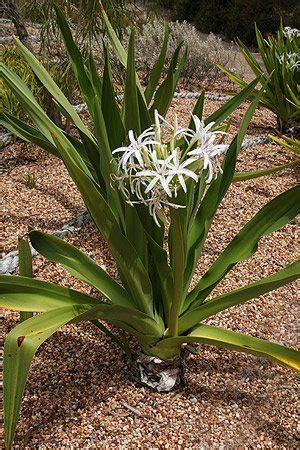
<point>157,374</point>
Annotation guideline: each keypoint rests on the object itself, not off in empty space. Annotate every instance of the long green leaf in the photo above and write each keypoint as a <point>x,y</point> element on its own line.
<point>220,337</point>
<point>36,113</point>
<point>27,132</point>
<point>122,250</point>
<point>158,67</point>
<point>132,119</point>
<point>52,87</point>
<point>75,56</point>
<point>25,268</point>
<point>110,109</point>
<point>231,105</point>
<point>80,266</point>
<point>238,296</point>
<point>243,176</point>
<point>19,349</point>
<point>202,219</point>
<point>165,92</point>
<point>29,294</point>
<point>277,213</point>
<point>117,46</point>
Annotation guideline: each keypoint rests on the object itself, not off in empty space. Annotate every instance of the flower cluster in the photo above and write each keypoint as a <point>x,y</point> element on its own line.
<point>291,60</point>
<point>151,171</point>
<point>291,32</point>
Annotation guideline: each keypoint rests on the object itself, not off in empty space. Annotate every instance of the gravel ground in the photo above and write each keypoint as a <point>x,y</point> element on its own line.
<point>79,391</point>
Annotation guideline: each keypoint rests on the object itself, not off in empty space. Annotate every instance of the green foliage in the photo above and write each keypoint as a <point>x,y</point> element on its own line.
<point>289,142</point>
<point>29,180</point>
<point>25,268</point>
<point>153,301</point>
<point>14,60</point>
<point>280,56</point>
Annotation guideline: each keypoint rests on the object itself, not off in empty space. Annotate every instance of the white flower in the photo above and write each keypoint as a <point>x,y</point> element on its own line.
<point>202,132</point>
<point>291,60</point>
<point>210,154</point>
<point>291,32</point>
<point>176,129</point>
<point>151,172</point>
<point>158,173</point>
<point>136,147</point>
<point>176,168</point>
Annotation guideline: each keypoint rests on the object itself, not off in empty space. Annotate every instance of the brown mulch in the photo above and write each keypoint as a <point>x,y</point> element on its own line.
<point>79,381</point>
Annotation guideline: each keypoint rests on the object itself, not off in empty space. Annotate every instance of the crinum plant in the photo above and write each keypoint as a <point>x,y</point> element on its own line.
<point>152,188</point>
<point>280,64</point>
<point>280,57</point>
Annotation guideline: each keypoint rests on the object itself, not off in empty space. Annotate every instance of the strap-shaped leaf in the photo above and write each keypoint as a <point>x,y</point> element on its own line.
<point>131,106</point>
<point>25,267</point>
<point>231,105</point>
<point>158,67</point>
<point>165,92</point>
<point>36,113</point>
<point>201,222</point>
<point>52,87</point>
<point>238,296</point>
<point>23,341</point>
<point>27,132</point>
<point>123,251</point>
<point>220,337</point>
<point>19,349</point>
<point>30,294</point>
<point>80,266</point>
<point>117,46</point>
<point>277,213</point>
<point>93,75</point>
<point>75,56</point>
<point>110,109</point>
<point>243,176</point>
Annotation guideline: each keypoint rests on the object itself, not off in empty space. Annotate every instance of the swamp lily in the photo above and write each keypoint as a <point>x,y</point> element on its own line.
<point>280,63</point>
<point>132,182</point>
<point>151,170</point>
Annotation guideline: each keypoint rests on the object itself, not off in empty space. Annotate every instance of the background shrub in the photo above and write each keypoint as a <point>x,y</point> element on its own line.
<point>235,18</point>
<point>203,54</point>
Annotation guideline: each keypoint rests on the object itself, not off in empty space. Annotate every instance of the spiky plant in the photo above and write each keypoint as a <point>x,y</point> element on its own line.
<point>280,56</point>
<point>153,198</point>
